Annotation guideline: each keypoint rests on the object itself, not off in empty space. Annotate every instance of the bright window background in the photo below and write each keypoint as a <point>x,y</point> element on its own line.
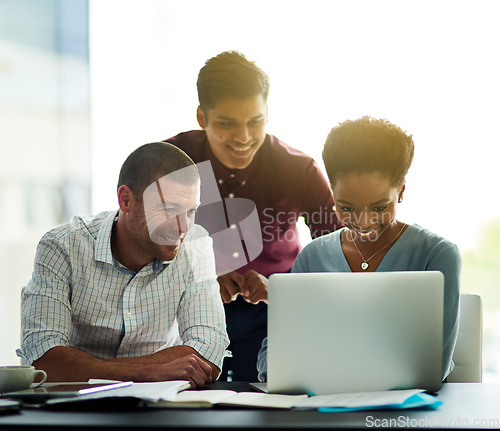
<point>44,138</point>
<point>431,67</point>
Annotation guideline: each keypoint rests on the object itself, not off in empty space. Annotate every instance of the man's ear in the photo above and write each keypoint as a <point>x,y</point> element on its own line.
<point>125,196</point>
<point>200,116</point>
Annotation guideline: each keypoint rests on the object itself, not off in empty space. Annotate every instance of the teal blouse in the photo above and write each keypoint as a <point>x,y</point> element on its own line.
<point>417,249</point>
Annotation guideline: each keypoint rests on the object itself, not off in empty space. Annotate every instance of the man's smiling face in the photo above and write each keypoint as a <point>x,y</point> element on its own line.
<point>235,129</point>
<point>169,213</point>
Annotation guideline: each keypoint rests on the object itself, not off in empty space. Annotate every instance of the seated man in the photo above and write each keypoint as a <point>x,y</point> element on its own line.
<point>111,294</point>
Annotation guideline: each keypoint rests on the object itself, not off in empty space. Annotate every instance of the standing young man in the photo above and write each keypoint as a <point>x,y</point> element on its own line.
<point>282,182</point>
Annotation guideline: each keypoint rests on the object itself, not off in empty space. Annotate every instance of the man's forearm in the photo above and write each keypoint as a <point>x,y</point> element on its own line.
<point>67,364</point>
<point>165,355</point>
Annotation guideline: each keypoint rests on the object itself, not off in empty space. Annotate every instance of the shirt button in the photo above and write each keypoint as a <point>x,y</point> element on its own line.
<point>231,195</point>
<point>235,254</point>
<point>232,175</point>
<point>243,183</point>
<point>233,226</point>
<point>129,315</point>
<point>220,181</point>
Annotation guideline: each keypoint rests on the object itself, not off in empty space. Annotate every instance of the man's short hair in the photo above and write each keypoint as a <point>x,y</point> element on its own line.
<point>150,162</point>
<point>230,74</point>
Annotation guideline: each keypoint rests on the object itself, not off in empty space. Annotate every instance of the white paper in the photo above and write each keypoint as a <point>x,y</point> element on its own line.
<point>154,391</point>
<point>102,381</point>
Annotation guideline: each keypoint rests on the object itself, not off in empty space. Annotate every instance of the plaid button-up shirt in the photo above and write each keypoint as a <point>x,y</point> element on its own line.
<point>80,296</point>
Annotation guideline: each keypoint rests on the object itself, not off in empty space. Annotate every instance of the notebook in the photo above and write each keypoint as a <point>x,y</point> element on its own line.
<point>355,332</point>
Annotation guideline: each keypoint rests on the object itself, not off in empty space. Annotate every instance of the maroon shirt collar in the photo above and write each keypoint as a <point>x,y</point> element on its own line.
<point>226,175</point>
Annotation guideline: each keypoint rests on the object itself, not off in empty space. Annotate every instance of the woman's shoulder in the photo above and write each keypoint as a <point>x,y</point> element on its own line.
<point>417,235</point>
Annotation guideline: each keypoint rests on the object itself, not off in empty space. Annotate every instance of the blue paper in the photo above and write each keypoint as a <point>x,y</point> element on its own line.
<point>417,401</point>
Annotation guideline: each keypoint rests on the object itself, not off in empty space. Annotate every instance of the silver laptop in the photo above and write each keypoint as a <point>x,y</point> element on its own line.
<point>355,332</point>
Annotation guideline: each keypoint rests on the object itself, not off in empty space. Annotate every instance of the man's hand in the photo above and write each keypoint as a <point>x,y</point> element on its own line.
<point>251,285</point>
<point>191,368</point>
<point>231,285</point>
<point>256,287</point>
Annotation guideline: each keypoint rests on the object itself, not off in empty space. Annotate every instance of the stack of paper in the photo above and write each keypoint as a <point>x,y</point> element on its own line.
<point>403,399</point>
<point>173,394</point>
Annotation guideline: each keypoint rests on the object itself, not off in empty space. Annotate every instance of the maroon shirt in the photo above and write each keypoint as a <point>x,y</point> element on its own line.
<point>283,183</point>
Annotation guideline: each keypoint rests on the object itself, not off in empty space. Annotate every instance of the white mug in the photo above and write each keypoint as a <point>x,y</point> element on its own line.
<point>18,377</point>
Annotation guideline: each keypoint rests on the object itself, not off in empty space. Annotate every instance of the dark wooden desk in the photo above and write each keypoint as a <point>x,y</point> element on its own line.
<point>465,405</point>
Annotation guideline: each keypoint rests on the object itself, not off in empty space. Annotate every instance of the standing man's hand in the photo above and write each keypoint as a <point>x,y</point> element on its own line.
<point>231,285</point>
<point>256,287</point>
<point>251,285</point>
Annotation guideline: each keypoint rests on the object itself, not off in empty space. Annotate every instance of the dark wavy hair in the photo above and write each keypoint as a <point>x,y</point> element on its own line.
<point>230,74</point>
<point>368,145</point>
<point>153,161</point>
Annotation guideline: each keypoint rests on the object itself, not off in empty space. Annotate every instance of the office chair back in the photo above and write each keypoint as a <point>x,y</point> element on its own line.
<point>468,350</point>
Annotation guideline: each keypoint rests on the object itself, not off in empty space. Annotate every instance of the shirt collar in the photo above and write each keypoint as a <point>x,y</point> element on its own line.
<point>242,175</point>
<point>102,248</point>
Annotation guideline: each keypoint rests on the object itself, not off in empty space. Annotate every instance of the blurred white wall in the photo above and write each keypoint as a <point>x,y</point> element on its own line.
<point>44,138</point>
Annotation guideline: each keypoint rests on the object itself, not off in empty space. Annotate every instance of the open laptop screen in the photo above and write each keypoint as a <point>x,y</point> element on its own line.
<point>355,332</point>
